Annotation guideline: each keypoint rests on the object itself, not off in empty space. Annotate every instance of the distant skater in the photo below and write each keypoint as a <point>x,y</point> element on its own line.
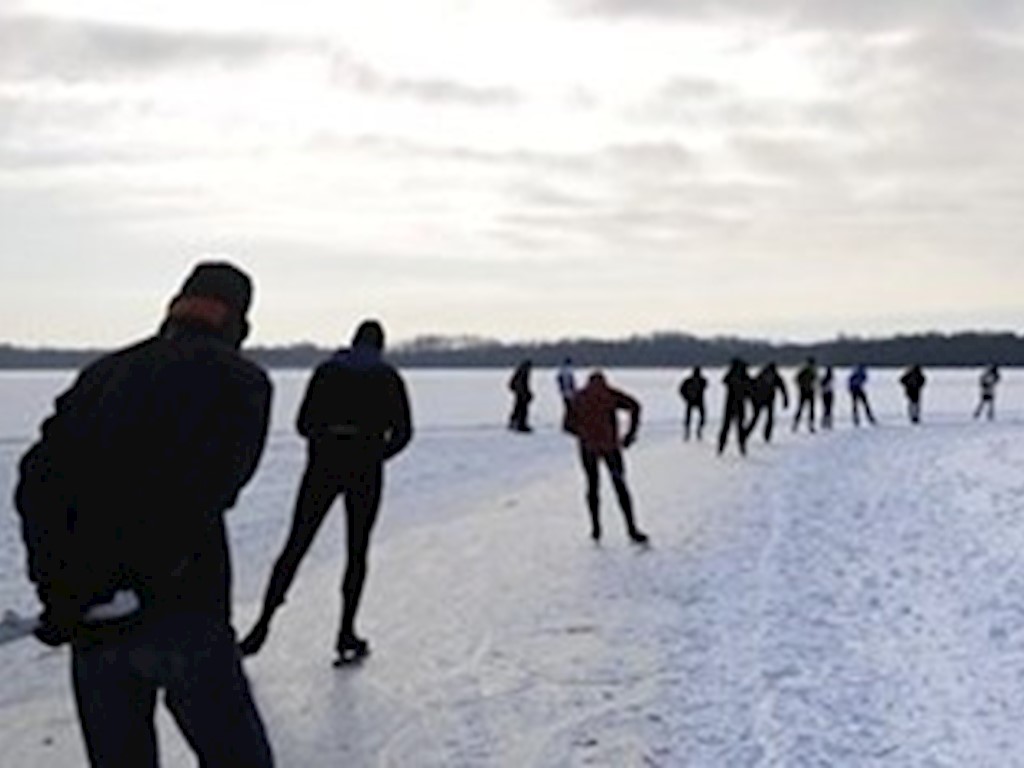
<point>354,416</point>
<point>987,386</point>
<point>857,384</point>
<point>764,389</point>
<point>913,381</point>
<point>519,384</point>
<point>692,391</point>
<point>828,397</point>
<point>806,384</point>
<point>566,381</point>
<point>595,423</point>
<point>737,391</point>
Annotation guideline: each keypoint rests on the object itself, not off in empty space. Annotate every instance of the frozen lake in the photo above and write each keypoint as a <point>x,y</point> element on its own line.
<point>845,599</point>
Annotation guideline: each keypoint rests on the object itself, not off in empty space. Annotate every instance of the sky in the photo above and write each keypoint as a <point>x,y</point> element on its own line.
<point>514,169</point>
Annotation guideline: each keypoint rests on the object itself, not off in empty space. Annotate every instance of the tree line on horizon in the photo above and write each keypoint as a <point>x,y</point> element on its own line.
<point>658,350</point>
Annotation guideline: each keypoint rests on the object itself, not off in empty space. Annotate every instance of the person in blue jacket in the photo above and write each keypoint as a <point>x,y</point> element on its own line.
<point>857,384</point>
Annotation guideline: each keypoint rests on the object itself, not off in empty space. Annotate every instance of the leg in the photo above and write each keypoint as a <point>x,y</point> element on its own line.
<point>115,706</point>
<point>799,413</point>
<point>810,412</point>
<point>317,492</point>
<point>209,696</point>
<point>589,462</point>
<point>867,408</point>
<point>686,421</point>
<point>701,418</point>
<point>854,408</point>
<point>617,468</point>
<point>362,501</point>
<point>769,422</point>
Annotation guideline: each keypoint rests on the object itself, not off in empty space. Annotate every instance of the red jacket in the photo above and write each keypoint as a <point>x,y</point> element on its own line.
<point>594,415</point>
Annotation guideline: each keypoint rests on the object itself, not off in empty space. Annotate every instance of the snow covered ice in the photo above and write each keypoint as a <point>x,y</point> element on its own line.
<point>855,598</point>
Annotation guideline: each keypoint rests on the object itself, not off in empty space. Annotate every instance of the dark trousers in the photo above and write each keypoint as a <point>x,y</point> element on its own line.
<point>827,399</point>
<point>617,469</point>
<point>691,409</point>
<point>768,409</point>
<point>735,416</point>
<point>914,408</point>
<point>327,476</point>
<point>520,412</point>
<point>806,402</point>
<point>193,659</point>
<point>858,400</point>
<point>986,402</point>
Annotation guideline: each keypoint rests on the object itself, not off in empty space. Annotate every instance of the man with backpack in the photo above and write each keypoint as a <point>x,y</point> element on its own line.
<point>122,503</point>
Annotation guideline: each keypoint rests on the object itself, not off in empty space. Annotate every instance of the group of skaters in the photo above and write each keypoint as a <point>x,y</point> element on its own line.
<point>123,496</point>
<point>751,399</point>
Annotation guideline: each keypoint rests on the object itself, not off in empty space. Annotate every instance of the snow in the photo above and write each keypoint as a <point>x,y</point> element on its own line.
<point>845,599</point>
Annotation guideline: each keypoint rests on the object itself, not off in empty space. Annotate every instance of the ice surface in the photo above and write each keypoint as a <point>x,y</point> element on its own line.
<point>848,599</point>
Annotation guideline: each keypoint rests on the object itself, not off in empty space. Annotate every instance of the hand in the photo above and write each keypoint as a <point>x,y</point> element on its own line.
<point>628,440</point>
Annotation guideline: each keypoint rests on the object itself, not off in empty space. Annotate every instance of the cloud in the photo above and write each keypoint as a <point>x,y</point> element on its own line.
<point>351,72</point>
<point>35,47</point>
<point>829,14</point>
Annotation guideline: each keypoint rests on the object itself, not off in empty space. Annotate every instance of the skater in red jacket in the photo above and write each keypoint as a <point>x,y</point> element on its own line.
<point>594,420</point>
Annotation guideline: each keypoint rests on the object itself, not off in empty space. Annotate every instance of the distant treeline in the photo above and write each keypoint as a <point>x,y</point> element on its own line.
<point>652,351</point>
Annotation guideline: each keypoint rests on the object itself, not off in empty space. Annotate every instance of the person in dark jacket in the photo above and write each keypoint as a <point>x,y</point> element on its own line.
<point>858,394</point>
<point>913,381</point>
<point>763,391</point>
<point>806,384</point>
<point>594,421</point>
<point>692,391</point>
<point>355,416</point>
<point>519,384</point>
<point>987,391</point>
<point>828,396</point>
<point>122,505</point>
<point>737,391</point>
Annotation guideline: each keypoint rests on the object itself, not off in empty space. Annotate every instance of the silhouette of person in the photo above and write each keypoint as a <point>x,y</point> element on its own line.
<point>913,381</point>
<point>764,388</point>
<point>122,503</point>
<point>519,384</point>
<point>355,416</point>
<point>828,396</point>
<point>857,384</point>
<point>737,391</point>
<point>566,381</point>
<point>691,390</point>
<point>594,421</point>
<point>987,386</point>
<point>806,384</point>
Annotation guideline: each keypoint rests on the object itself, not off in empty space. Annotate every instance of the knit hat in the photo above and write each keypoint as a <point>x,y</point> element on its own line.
<point>220,280</point>
<point>369,333</point>
<point>216,294</point>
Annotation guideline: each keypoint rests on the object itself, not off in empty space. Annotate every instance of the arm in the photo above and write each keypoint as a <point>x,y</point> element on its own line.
<point>400,432</point>
<point>308,418</point>
<point>781,384</point>
<point>627,403</point>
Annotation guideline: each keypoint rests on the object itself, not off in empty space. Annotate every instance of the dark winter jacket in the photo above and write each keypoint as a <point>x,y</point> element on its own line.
<point>913,381</point>
<point>357,395</point>
<point>765,385</point>
<point>692,389</point>
<point>127,486</point>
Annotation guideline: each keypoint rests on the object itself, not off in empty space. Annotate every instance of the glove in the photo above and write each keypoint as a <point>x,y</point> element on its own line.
<point>628,440</point>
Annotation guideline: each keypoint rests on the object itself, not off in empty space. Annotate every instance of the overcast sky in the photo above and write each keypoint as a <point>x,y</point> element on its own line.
<point>519,169</point>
